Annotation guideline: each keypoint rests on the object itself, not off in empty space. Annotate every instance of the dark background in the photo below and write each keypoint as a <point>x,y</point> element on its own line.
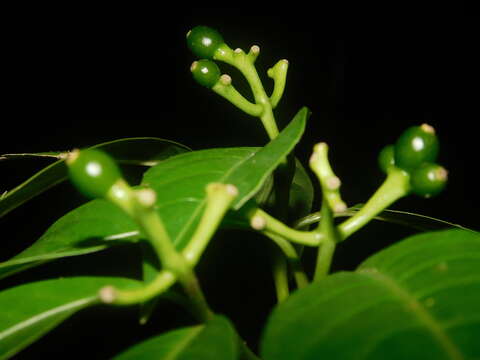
<point>78,76</point>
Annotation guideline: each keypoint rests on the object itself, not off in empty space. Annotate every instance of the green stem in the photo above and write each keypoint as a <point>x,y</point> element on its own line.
<point>279,75</point>
<point>162,282</point>
<point>327,249</point>
<point>199,303</point>
<point>225,89</point>
<point>291,254</point>
<point>329,182</point>
<point>282,181</point>
<point>245,64</point>
<point>268,121</point>
<point>280,274</point>
<point>219,199</point>
<point>155,232</point>
<point>140,206</point>
<point>395,186</point>
<point>265,223</point>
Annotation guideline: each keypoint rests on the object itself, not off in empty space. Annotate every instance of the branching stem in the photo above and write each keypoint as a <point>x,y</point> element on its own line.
<point>395,186</point>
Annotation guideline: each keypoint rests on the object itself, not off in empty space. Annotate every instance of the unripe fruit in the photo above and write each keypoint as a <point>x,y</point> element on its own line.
<point>92,171</point>
<point>418,144</point>
<point>203,41</point>
<point>205,72</point>
<point>428,179</point>
<point>386,158</point>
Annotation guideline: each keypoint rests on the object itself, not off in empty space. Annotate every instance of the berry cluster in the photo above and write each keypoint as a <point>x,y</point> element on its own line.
<point>416,152</point>
<point>204,41</point>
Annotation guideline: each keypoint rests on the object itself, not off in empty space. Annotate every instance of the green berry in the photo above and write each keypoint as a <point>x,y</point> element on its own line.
<point>386,158</point>
<point>205,72</point>
<point>92,171</point>
<point>428,179</point>
<point>203,41</point>
<point>418,144</point>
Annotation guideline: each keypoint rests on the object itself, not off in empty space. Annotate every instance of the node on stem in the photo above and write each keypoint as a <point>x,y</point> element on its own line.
<point>107,294</point>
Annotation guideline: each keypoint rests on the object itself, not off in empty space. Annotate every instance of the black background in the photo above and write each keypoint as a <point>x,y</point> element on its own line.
<point>77,76</point>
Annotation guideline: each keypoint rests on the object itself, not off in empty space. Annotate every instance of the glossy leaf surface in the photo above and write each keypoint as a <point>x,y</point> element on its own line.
<point>91,227</point>
<point>140,151</point>
<point>215,339</point>
<point>418,299</point>
<point>181,180</point>
<point>31,310</point>
<point>98,224</point>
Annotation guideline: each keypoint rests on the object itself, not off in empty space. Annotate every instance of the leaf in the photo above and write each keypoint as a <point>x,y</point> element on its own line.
<point>418,299</point>
<point>215,339</point>
<point>89,228</point>
<point>142,151</point>
<point>301,193</point>
<point>181,180</point>
<point>413,220</point>
<point>31,310</point>
<point>406,218</point>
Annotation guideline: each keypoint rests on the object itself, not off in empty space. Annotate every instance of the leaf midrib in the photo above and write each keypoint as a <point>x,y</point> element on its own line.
<point>185,342</point>
<point>424,317</point>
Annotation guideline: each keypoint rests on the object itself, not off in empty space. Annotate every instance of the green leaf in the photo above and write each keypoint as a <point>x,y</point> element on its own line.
<point>89,228</point>
<point>301,193</point>
<point>405,218</point>
<point>140,151</point>
<point>31,310</point>
<point>418,299</point>
<point>98,224</point>
<point>181,180</point>
<point>215,339</point>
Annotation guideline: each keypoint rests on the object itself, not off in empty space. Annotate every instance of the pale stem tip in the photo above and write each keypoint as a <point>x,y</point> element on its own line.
<point>193,66</point>
<point>333,182</point>
<point>63,156</point>
<point>320,146</point>
<point>258,222</point>
<point>339,207</point>
<point>107,294</point>
<point>232,190</point>
<point>255,49</point>
<point>238,50</point>
<point>188,33</point>
<point>225,79</point>
<point>442,173</point>
<point>72,156</point>
<point>228,189</point>
<point>146,197</point>
<point>428,128</point>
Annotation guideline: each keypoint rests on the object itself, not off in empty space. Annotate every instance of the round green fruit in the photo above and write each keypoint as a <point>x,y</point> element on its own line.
<point>417,144</point>
<point>205,72</point>
<point>203,41</point>
<point>386,158</point>
<point>92,171</point>
<point>428,180</point>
